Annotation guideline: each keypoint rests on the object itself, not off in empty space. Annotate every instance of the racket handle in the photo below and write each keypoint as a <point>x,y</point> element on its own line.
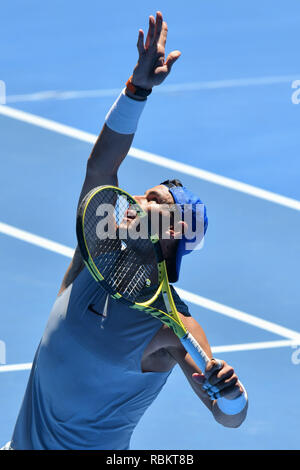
<point>196,352</point>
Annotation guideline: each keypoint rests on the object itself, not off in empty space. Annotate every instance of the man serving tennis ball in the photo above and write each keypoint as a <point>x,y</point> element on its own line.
<point>100,364</point>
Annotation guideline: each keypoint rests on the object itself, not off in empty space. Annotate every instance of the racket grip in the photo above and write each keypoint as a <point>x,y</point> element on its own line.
<point>196,352</point>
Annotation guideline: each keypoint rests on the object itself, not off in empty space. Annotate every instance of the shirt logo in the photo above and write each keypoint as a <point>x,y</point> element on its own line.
<point>91,309</point>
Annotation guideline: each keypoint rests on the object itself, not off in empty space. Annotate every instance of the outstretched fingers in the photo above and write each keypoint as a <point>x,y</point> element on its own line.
<point>152,69</point>
<point>165,68</point>
<point>158,27</point>
<point>157,30</point>
<point>140,42</point>
<point>171,59</point>
<point>151,30</point>
<point>163,35</point>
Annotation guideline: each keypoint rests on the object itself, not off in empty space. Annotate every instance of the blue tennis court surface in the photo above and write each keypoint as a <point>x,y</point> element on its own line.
<point>226,113</point>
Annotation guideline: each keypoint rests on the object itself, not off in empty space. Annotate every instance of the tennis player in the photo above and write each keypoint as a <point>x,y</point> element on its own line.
<point>100,364</point>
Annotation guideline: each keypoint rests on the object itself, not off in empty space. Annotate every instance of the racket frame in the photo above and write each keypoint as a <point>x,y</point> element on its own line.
<point>171,318</point>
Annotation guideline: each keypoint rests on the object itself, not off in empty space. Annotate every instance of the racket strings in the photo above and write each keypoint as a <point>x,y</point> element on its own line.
<point>128,265</point>
<point>138,282</point>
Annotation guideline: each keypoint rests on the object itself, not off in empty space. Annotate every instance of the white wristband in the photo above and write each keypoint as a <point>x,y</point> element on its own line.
<point>233,407</point>
<point>124,114</point>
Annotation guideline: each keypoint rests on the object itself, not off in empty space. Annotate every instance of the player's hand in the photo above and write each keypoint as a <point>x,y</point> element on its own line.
<point>219,379</point>
<point>152,67</point>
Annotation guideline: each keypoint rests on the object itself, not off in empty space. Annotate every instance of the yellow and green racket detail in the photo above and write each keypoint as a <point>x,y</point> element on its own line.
<point>127,261</point>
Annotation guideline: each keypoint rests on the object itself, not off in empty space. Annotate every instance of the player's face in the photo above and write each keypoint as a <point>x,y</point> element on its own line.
<point>155,201</point>
<point>163,217</point>
<point>158,203</point>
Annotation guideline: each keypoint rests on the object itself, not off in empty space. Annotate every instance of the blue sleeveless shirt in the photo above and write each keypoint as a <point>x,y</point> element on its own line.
<point>86,389</point>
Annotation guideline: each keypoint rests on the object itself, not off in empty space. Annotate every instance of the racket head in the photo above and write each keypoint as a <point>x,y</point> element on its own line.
<point>128,264</point>
<point>127,267</point>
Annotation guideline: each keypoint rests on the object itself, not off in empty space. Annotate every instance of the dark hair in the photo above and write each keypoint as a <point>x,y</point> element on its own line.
<point>171,183</point>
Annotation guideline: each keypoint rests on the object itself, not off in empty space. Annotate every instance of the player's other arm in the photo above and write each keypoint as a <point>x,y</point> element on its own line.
<point>117,134</point>
<point>220,375</point>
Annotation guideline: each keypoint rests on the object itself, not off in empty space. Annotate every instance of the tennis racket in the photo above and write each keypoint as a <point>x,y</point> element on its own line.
<point>130,267</point>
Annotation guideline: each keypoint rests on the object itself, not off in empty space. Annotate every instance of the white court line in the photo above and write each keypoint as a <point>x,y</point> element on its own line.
<point>216,179</point>
<point>255,346</point>
<point>172,88</point>
<point>16,367</point>
<point>36,240</point>
<point>185,295</point>
<point>154,159</point>
<point>215,350</point>
<point>48,124</point>
<point>238,315</point>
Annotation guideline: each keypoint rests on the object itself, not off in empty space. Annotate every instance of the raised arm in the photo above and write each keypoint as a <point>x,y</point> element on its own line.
<point>120,125</point>
<point>117,134</point>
